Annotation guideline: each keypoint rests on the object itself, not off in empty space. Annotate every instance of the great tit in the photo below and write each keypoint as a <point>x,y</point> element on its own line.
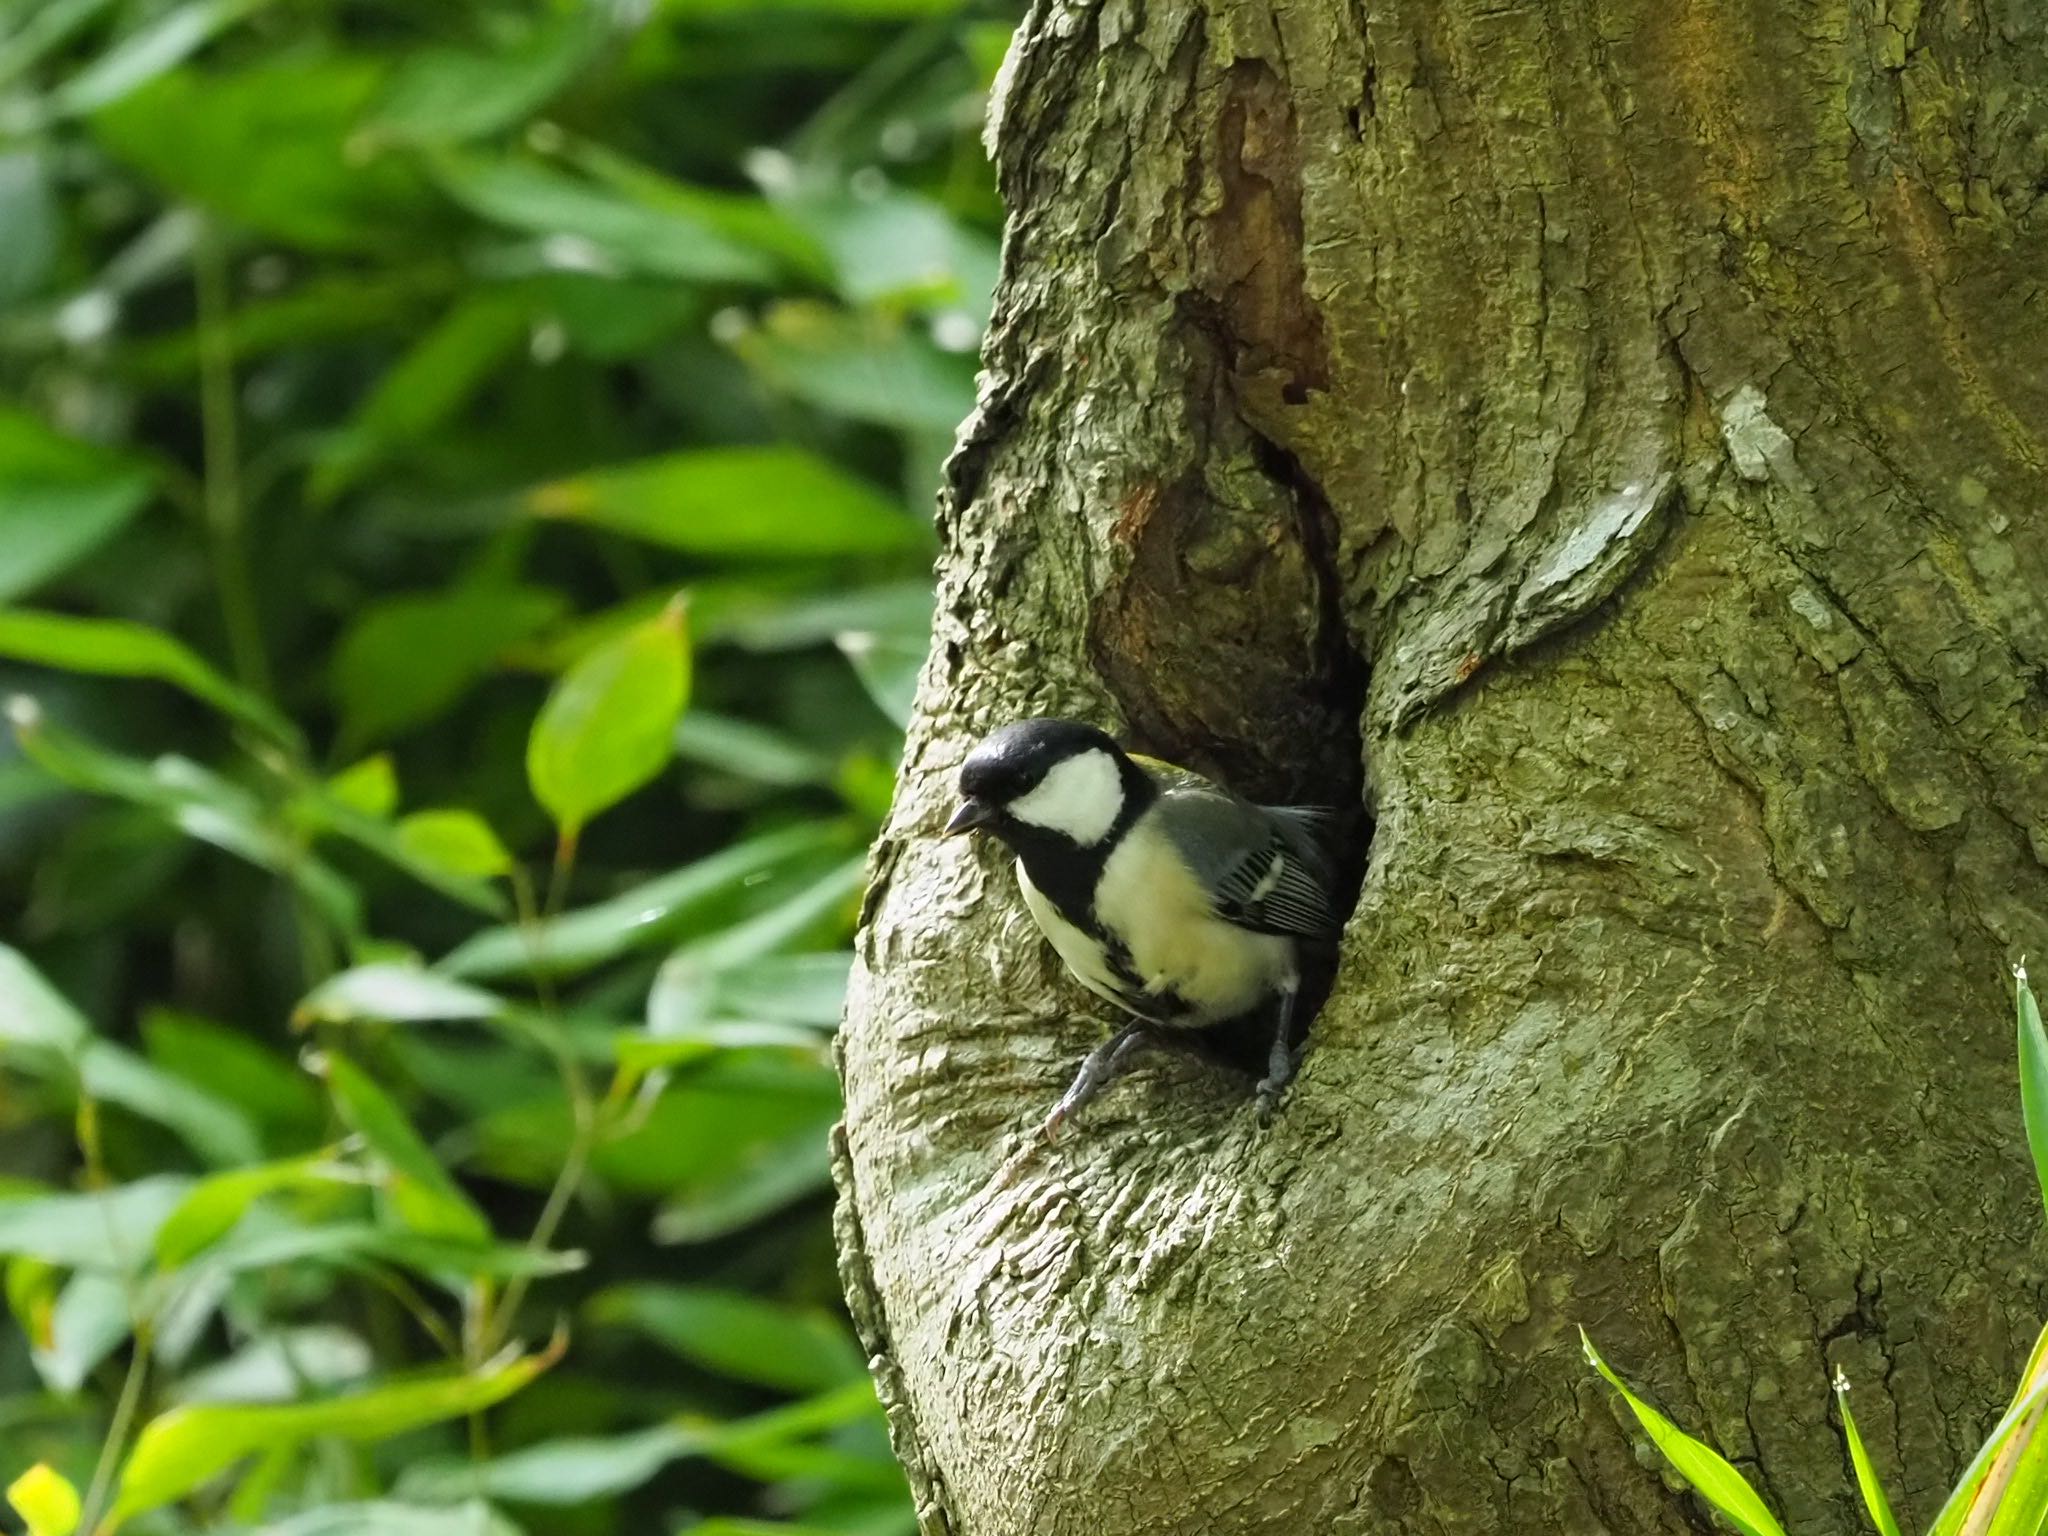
<point>1178,901</point>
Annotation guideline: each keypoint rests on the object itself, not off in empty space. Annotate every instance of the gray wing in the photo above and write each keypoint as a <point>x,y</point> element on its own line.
<point>1265,864</point>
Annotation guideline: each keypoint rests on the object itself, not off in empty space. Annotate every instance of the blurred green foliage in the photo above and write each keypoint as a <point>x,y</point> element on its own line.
<point>464,549</point>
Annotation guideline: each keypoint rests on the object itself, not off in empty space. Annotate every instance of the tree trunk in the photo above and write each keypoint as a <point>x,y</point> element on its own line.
<point>1620,426</point>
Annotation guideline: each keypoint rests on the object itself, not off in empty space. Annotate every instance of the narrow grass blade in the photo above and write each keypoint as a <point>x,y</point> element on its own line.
<point>1698,1463</point>
<point>2033,1075</point>
<point>1866,1475</point>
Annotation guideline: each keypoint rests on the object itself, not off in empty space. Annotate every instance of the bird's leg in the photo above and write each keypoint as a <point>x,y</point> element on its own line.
<point>1103,1064</point>
<point>1283,1060</point>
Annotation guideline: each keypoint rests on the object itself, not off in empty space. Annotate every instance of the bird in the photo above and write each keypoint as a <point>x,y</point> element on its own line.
<point>1164,893</point>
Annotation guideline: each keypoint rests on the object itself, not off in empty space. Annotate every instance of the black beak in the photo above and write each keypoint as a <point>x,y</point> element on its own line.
<point>971,814</point>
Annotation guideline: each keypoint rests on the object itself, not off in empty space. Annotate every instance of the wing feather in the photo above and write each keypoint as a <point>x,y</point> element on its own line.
<point>1266,865</point>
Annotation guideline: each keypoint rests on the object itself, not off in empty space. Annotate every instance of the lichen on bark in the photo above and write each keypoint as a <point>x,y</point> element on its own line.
<point>1607,442</point>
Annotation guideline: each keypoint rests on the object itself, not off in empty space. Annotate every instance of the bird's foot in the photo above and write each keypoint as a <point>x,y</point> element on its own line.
<point>1274,1084</point>
<point>1103,1064</point>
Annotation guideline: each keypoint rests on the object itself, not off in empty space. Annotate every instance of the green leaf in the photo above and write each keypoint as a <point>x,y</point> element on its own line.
<point>774,1175</point>
<point>888,667</point>
<point>92,1314</point>
<point>390,993</point>
<point>806,990</point>
<point>370,788</point>
<point>751,751</point>
<point>185,1448</point>
<point>229,1065</point>
<point>322,812</point>
<point>644,917</point>
<point>46,1501</point>
<point>34,1013</point>
<point>423,389</point>
<point>428,1200</point>
<point>737,503</point>
<point>215,1129</point>
<point>608,724</point>
<point>407,659</point>
<point>640,1054</point>
<point>388,1517</point>
<point>109,1229</point>
<point>195,800</point>
<point>794,1349</point>
<point>268,146</point>
<point>1874,1498</point>
<point>279,1367</point>
<point>865,367</point>
<point>447,95</point>
<point>695,236</point>
<point>1698,1463</point>
<point>2033,1395</point>
<point>2033,1050</point>
<point>361,1245</point>
<point>577,1471</point>
<point>33,221</point>
<point>458,841</point>
<point>102,868</point>
<point>325,307</point>
<point>821,910</point>
<point>2022,1506</point>
<point>117,648</point>
<point>900,608</point>
<point>737,1117</point>
<point>41,29</point>
<point>213,1206</point>
<point>897,245</point>
<point>146,53</point>
<point>586,1470</point>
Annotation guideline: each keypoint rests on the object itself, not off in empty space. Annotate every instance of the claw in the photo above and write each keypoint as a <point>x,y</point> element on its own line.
<point>1103,1064</point>
<point>1268,1098</point>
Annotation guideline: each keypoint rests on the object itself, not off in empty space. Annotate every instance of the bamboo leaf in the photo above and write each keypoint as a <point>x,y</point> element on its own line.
<point>34,1013</point>
<point>185,1448</point>
<point>428,1199</point>
<point>117,648</point>
<point>389,993</point>
<point>214,1205</point>
<point>645,916</point>
<point>753,503</point>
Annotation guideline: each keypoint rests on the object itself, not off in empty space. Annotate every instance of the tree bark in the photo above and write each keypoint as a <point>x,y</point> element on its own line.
<point>1620,427</point>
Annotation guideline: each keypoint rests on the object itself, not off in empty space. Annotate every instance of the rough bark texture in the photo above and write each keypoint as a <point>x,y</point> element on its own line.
<point>1623,428</point>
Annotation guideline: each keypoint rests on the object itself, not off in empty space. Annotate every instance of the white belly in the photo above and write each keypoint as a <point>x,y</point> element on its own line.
<point>1082,955</point>
<point>1177,944</point>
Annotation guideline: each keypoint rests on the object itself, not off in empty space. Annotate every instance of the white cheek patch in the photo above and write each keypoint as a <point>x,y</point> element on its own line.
<point>1079,799</point>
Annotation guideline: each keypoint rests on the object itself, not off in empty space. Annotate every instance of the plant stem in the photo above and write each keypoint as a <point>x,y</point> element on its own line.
<point>221,446</point>
<point>584,1110</point>
<point>125,1411</point>
<point>403,1292</point>
<point>575,1161</point>
<point>558,877</point>
<point>525,907</point>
